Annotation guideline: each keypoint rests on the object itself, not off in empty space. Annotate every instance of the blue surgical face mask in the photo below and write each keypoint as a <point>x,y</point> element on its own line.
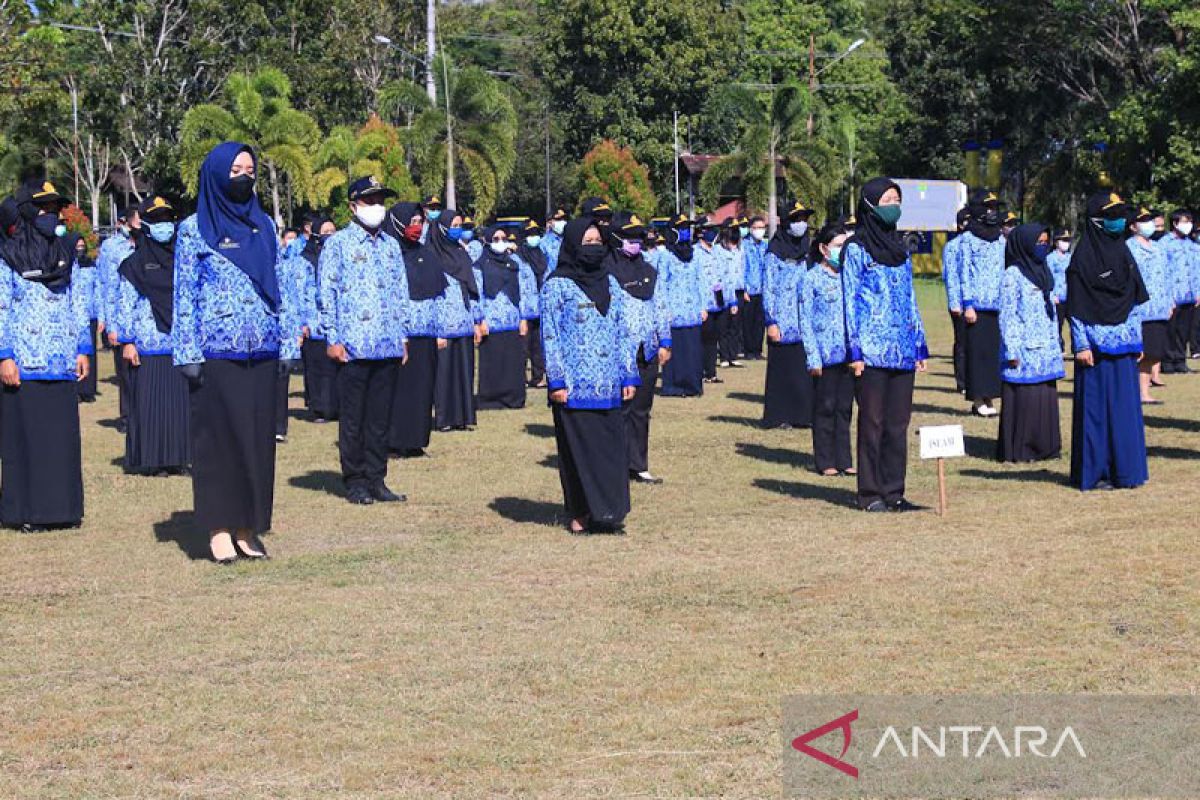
<point>1146,229</point>
<point>710,235</point>
<point>454,234</point>
<point>533,241</point>
<point>1114,227</point>
<point>685,235</point>
<point>161,231</point>
<point>743,231</point>
<point>1040,251</point>
<point>835,256</point>
<point>467,234</point>
<point>433,214</point>
<point>60,230</point>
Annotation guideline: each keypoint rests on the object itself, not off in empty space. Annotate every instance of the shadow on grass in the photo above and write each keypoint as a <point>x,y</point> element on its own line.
<point>295,395</point>
<point>319,480</point>
<point>1162,451</point>
<point>980,447</point>
<point>748,397</point>
<point>834,495</point>
<point>775,455</point>
<point>181,529</point>
<point>926,408</point>
<point>520,509</point>
<point>1021,475</point>
<point>1168,423</point>
<point>109,423</point>
<point>752,422</point>
<point>945,389</point>
<point>540,430</point>
<point>550,461</point>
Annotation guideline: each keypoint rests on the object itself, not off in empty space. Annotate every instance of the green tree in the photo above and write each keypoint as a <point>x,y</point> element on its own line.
<point>347,154</point>
<point>260,114</point>
<point>610,171</point>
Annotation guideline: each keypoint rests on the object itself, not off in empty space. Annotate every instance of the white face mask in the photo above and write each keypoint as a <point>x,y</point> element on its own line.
<point>758,234</point>
<point>1064,246</point>
<point>371,216</point>
<point>558,226</point>
<point>1185,228</point>
<point>798,229</point>
<point>1146,229</point>
<point>500,248</point>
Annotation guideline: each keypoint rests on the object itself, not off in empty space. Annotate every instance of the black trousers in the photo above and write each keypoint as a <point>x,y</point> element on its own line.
<point>834,408</point>
<point>729,333</point>
<point>753,327</point>
<point>365,389</point>
<point>282,385</point>
<point>534,353</point>
<point>121,367</point>
<point>591,463</point>
<point>1194,339</point>
<point>884,410</point>
<point>960,351</point>
<point>637,415</point>
<point>1180,329</point>
<point>710,338</point>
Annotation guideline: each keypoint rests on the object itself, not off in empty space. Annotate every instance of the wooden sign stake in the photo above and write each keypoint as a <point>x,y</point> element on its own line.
<point>941,487</point>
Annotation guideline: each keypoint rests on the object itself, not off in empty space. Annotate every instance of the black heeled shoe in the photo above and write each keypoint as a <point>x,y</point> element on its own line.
<point>255,543</point>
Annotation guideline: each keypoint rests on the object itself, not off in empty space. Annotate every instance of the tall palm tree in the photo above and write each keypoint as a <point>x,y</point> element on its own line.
<point>777,144</point>
<point>374,149</point>
<point>258,111</point>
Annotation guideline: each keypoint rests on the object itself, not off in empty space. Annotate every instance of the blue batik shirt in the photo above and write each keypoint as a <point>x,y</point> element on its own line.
<point>822,318</point>
<point>134,322</point>
<point>113,251</point>
<point>781,296</point>
<point>1028,332</point>
<point>714,271</point>
<point>589,354</point>
<point>754,262</point>
<point>1058,262</point>
<point>500,313</point>
<point>982,268</point>
<point>883,323</point>
<point>43,329</point>
<point>457,319</point>
<point>551,243</point>
<point>362,296</point>
<point>298,279</point>
<point>952,272</point>
<point>1181,254</point>
<point>1152,263</point>
<point>685,295</point>
<point>648,321</point>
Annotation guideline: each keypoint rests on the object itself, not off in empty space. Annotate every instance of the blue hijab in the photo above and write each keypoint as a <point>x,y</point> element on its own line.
<point>241,232</point>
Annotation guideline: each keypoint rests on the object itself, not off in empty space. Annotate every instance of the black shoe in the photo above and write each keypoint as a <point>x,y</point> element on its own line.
<point>413,452</point>
<point>257,551</point>
<point>644,477</point>
<point>903,505</point>
<point>359,496</point>
<point>876,506</point>
<point>383,494</point>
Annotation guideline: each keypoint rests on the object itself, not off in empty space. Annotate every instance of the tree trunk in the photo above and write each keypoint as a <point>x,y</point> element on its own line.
<point>451,200</point>
<point>772,191</point>
<point>275,193</point>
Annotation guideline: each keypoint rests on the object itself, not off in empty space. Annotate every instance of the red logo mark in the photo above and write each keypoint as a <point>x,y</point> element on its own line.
<point>801,743</point>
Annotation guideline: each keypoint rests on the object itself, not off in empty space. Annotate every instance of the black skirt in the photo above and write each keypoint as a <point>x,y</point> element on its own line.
<point>42,481</point>
<point>1029,429</point>
<point>320,380</point>
<point>159,435</point>
<point>501,371</point>
<point>412,401</point>
<point>683,375</point>
<point>790,389</point>
<point>983,356</point>
<point>87,386</point>
<point>1154,340</point>
<point>233,445</point>
<point>591,463</point>
<point>454,395</point>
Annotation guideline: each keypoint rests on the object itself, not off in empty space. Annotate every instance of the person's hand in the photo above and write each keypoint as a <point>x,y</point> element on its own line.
<point>1013,363</point>
<point>956,312</point>
<point>733,311</point>
<point>627,393</point>
<point>100,329</point>
<point>130,354</point>
<point>773,334</point>
<point>815,372</point>
<point>1140,357</point>
<point>10,373</point>
<point>746,296</point>
<point>858,366</point>
<point>560,396</point>
<point>922,365</point>
<point>1085,358</point>
<point>338,353</point>
<point>664,355</point>
<point>82,367</point>
<point>442,344</point>
<point>484,329</point>
<point>704,316</point>
<point>112,339</point>
<point>404,357</point>
<point>305,333</point>
<point>478,334</point>
<point>970,316</point>
<point>523,328</point>
<point>194,374</point>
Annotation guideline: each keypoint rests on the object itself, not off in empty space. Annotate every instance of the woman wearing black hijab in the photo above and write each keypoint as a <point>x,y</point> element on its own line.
<point>591,370</point>
<point>44,347</point>
<point>886,340</point>
<point>88,281</point>
<point>412,403</point>
<point>1108,440</point>
<point>790,390</point>
<point>1029,350</point>
<point>981,272</point>
<point>530,253</point>
<point>683,292</point>
<point>508,295</point>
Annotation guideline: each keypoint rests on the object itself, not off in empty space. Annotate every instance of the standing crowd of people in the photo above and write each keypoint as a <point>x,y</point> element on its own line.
<point>410,319</point>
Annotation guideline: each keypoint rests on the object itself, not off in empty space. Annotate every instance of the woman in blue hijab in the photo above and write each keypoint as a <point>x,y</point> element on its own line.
<point>234,334</point>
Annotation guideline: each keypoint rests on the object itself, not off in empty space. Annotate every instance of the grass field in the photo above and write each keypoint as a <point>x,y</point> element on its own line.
<point>463,645</point>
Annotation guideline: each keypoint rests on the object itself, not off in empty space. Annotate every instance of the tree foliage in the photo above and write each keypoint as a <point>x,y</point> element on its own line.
<point>611,171</point>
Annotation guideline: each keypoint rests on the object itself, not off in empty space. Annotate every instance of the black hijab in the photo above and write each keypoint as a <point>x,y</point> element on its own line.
<point>441,253</point>
<point>882,242</point>
<point>788,247</point>
<point>633,273</point>
<point>33,255</point>
<point>312,247</point>
<point>1020,251</point>
<point>397,220</point>
<point>592,279</point>
<point>1103,281</point>
<point>499,271</point>
<point>533,256</point>
<point>683,251</point>
<point>151,270</point>
<point>984,222</point>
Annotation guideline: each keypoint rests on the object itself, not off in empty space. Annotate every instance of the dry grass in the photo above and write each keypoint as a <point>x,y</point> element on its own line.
<point>464,646</point>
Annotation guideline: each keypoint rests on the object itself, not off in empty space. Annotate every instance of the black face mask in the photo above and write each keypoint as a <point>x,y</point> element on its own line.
<point>991,219</point>
<point>590,255</point>
<point>241,188</point>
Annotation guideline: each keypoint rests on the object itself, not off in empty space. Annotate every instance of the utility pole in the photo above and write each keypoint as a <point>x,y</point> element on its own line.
<point>430,48</point>
<point>677,162</point>
<point>451,200</point>
<point>812,79</point>
<point>75,135</point>
<point>549,210</point>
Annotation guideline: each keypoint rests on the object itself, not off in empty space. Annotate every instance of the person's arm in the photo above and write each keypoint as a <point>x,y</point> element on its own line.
<point>917,323</point>
<point>291,314</point>
<point>8,346</point>
<point>529,296</point>
<point>1012,322</point>
<point>808,333</point>
<point>556,374</point>
<point>854,259</point>
<point>185,322</point>
<point>329,278</point>
<point>769,300</point>
<point>952,267</point>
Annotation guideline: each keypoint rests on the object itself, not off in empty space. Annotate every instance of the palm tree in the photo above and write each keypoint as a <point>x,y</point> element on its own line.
<point>471,131</point>
<point>374,149</point>
<point>259,113</point>
<point>777,144</point>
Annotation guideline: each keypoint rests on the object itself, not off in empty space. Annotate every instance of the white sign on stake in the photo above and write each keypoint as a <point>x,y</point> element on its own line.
<point>942,442</point>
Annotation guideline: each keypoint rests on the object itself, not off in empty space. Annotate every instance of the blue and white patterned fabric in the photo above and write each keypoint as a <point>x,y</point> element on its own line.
<point>298,279</point>
<point>1028,332</point>
<point>218,312</point>
<point>823,318</point>
<point>551,243</point>
<point>89,284</point>
<point>648,322</point>
<point>1058,262</point>
<point>474,249</point>
<point>883,323</point>
<point>424,318</point>
<point>684,290</point>
<point>714,271</point>
<point>534,309</point>
<point>362,295</point>
<point>754,263</point>
<point>499,312</point>
<point>781,296</point>
<point>455,319</point>
<point>1152,263</point>
<point>1113,340</point>
<point>43,329</point>
<point>588,354</point>
<point>952,272</point>
<point>735,270</point>
<point>982,268</point>
<point>1182,256</point>
<point>113,251</point>
<point>134,321</point>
